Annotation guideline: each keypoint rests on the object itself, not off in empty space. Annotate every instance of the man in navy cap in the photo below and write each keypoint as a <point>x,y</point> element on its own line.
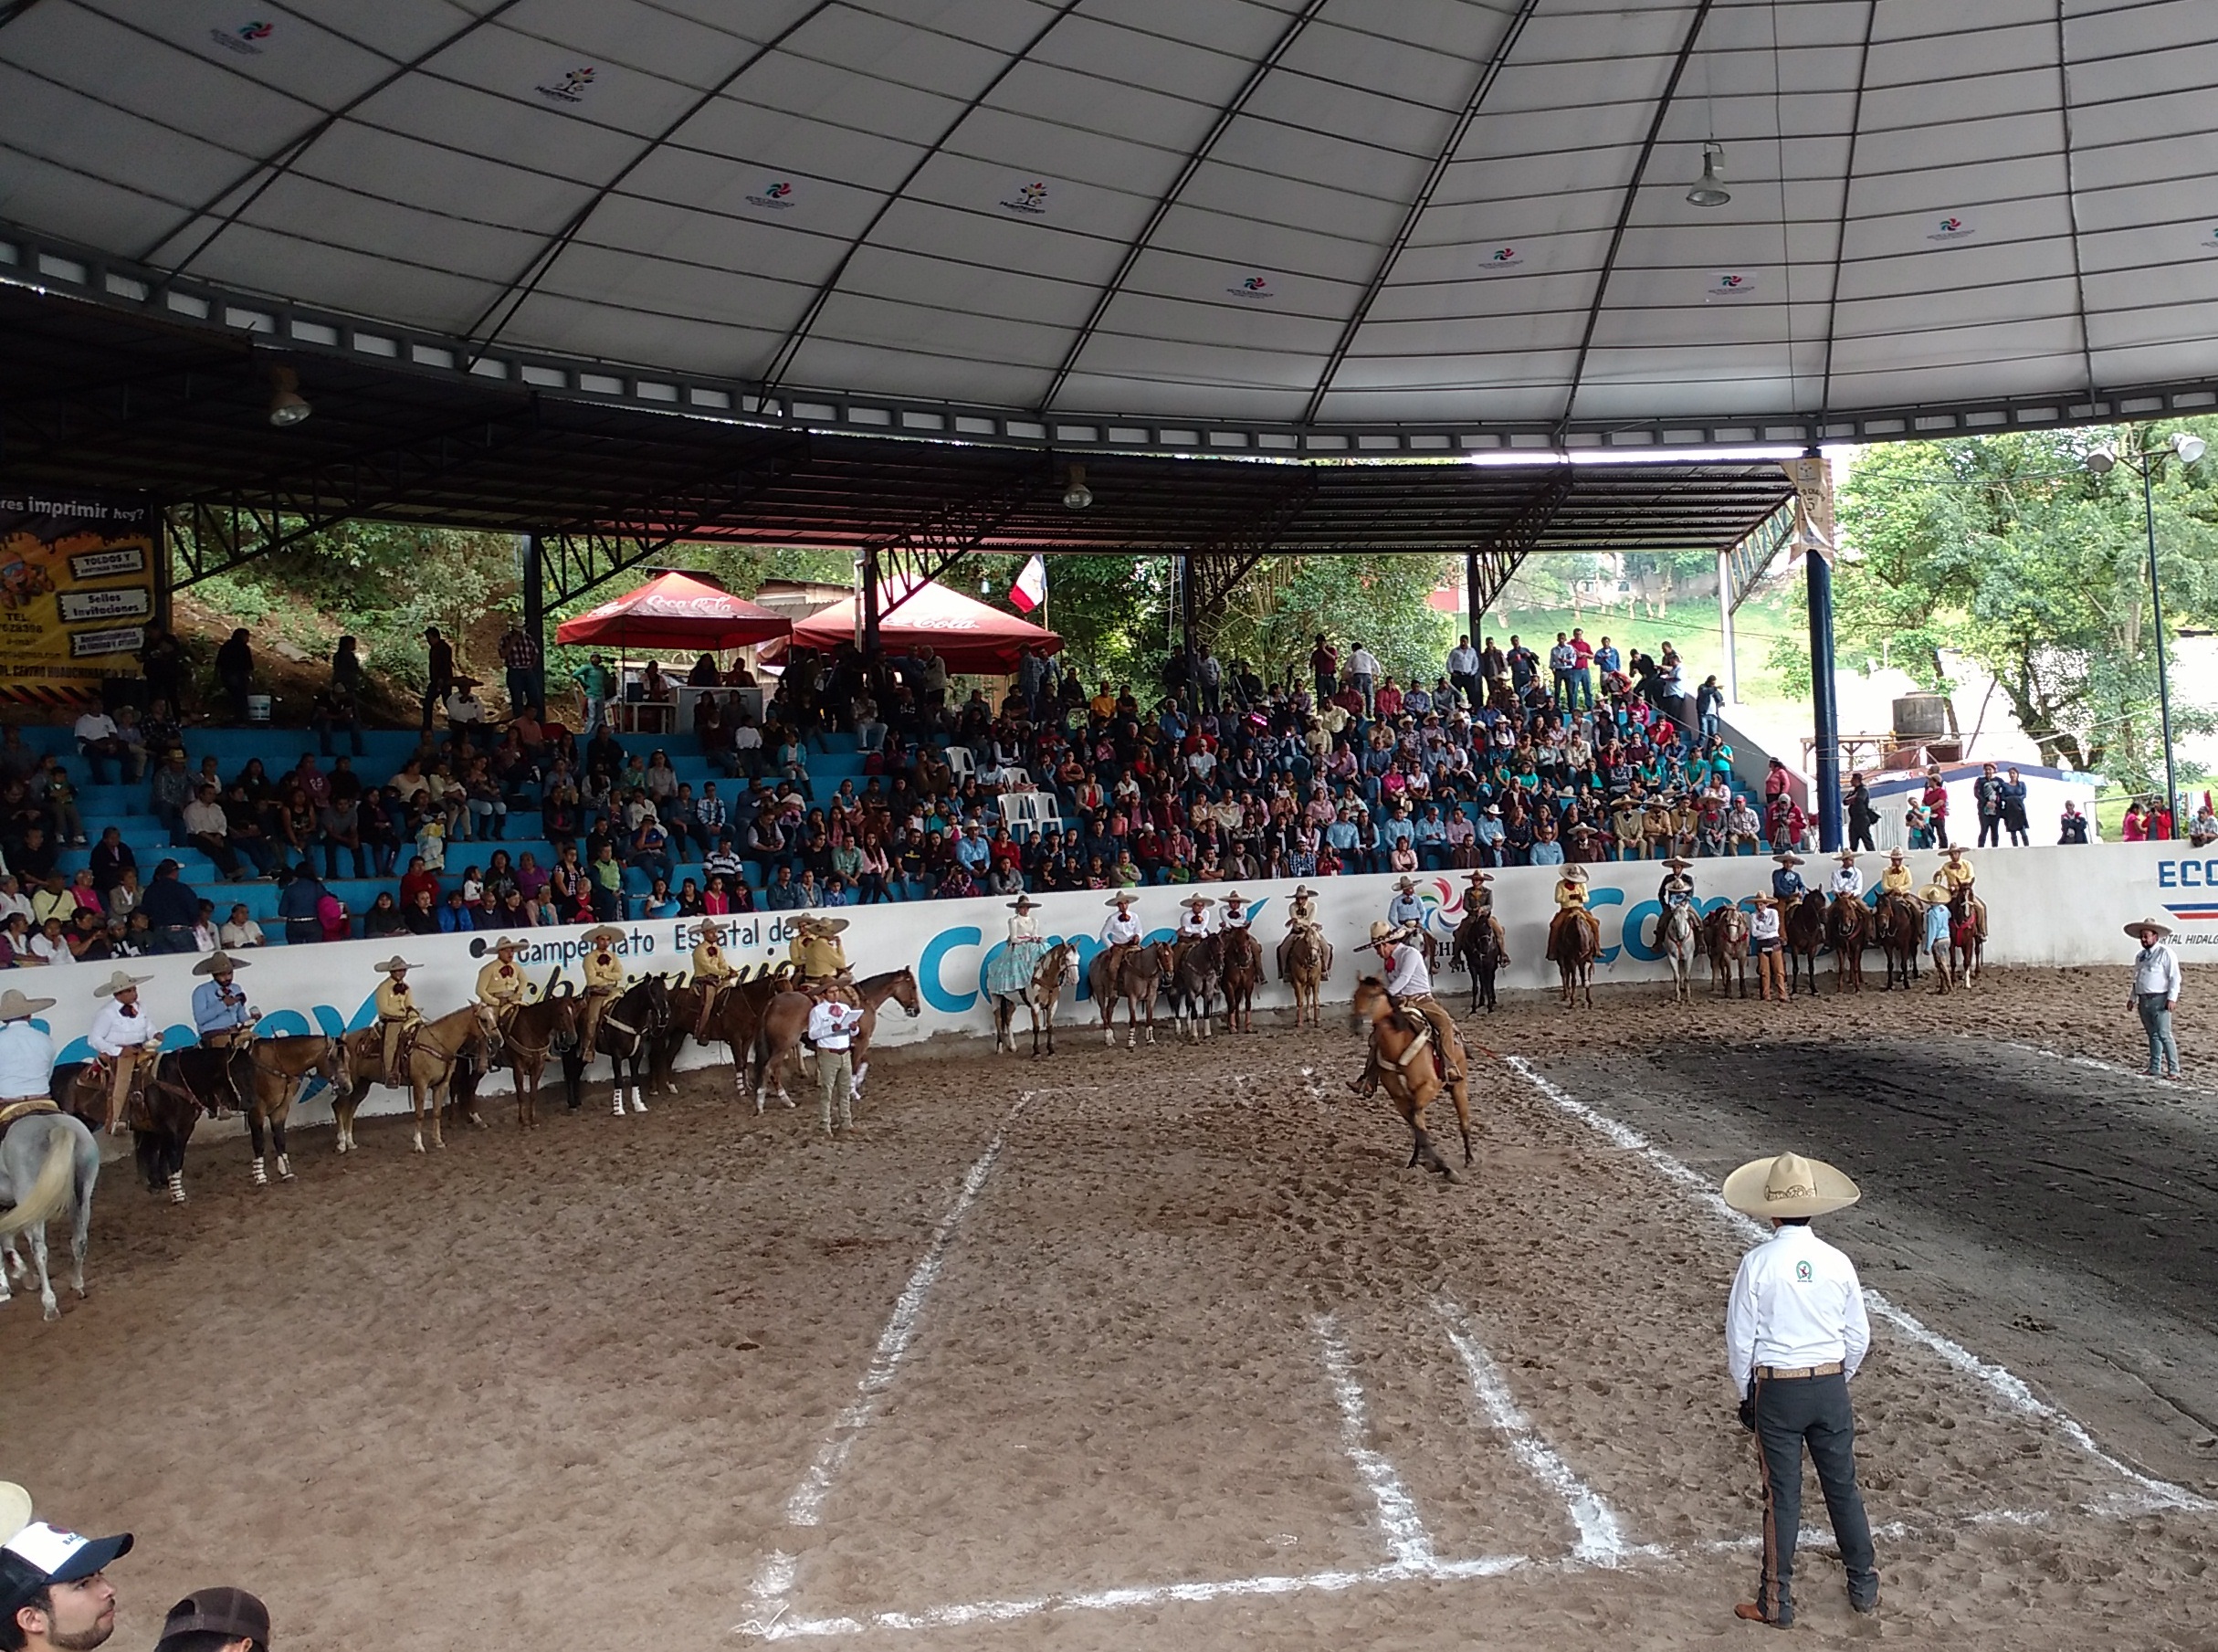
<point>54,1595</point>
<point>216,1620</point>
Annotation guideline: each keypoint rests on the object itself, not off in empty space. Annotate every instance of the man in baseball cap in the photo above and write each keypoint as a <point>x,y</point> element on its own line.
<point>216,1620</point>
<point>54,1596</point>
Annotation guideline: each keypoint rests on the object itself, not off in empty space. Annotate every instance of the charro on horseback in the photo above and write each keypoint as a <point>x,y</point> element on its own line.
<point>500,985</point>
<point>712,974</point>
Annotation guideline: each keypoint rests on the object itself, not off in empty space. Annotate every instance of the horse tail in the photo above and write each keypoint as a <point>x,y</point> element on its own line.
<point>49,1190</point>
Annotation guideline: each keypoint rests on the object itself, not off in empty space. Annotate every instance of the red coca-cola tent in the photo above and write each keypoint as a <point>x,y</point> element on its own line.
<point>972,638</point>
<point>675,611</point>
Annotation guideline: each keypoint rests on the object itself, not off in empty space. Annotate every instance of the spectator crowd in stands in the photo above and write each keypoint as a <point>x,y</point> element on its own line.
<point>1504,757</point>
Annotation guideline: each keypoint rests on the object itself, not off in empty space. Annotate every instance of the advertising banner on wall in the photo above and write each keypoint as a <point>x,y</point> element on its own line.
<point>2048,907</point>
<point>76,591</point>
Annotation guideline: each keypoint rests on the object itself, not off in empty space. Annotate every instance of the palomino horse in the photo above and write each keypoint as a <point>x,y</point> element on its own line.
<point>1305,972</point>
<point>1804,933</point>
<point>1899,925</point>
<point>1574,941</point>
<point>1676,938</point>
<point>1847,932</point>
<point>1243,973</point>
<point>1725,935</point>
<point>1197,965</point>
<point>1478,948</point>
<point>1057,968</point>
<point>533,1034</point>
<point>279,1071</point>
<point>1141,971</point>
<point>429,1066</point>
<point>49,1161</point>
<point>1402,1054</point>
<point>1967,935</point>
<point>785,1018</point>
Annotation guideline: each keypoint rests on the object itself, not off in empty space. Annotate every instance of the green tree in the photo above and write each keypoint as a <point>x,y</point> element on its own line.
<point>2006,551</point>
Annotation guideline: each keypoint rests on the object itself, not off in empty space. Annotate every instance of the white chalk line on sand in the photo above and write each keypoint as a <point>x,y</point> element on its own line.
<point>2003,1383</point>
<point>774,1580</point>
<point>1601,1539</point>
<point>1406,1539</point>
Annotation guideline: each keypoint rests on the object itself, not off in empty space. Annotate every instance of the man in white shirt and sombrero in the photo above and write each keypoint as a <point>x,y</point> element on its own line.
<point>2156,994</point>
<point>1120,929</point>
<point>1795,1332</point>
<point>119,1036</point>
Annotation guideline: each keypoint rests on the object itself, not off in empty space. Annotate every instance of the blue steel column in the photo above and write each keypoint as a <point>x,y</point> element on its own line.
<point>1818,573</point>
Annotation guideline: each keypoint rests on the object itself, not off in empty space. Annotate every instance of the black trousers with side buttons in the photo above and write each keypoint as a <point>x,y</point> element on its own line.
<point>1792,1412</point>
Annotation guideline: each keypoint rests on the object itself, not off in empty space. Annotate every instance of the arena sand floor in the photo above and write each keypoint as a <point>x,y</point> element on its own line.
<point>1165,1350</point>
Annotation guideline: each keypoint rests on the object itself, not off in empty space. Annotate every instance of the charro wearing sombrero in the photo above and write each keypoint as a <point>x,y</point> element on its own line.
<point>501,984</point>
<point>1301,914</point>
<point>1897,880</point>
<point>1478,901</point>
<point>1795,1332</point>
<point>1193,917</point>
<point>1570,899</point>
<point>220,1015</point>
<point>820,958</point>
<point>604,973</point>
<point>1120,930</point>
<point>119,1036</point>
<point>1787,885</point>
<point>397,1017</point>
<point>712,973</point>
<point>1677,889</point>
<point>1406,910</point>
<point>1410,984</point>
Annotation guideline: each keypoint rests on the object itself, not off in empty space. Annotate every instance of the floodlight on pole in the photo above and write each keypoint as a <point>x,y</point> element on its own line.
<point>2100,462</point>
<point>287,405</point>
<point>1710,190</point>
<point>2188,446</point>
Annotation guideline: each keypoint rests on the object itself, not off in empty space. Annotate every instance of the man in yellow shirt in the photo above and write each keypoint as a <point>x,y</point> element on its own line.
<point>1955,872</point>
<point>1896,879</point>
<point>501,984</point>
<point>818,955</point>
<point>713,971</point>
<point>397,1016</point>
<point>604,973</point>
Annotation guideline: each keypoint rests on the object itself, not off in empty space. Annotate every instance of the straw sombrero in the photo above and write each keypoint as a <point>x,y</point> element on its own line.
<point>827,926</point>
<point>1933,894</point>
<point>1197,901</point>
<point>707,928</point>
<point>1121,898</point>
<point>2133,929</point>
<point>1576,872</point>
<point>218,964</point>
<point>607,932</point>
<point>1405,885</point>
<point>1684,865</point>
<point>394,965</point>
<point>14,1006</point>
<point>1233,898</point>
<point>1897,854</point>
<point>1789,1186</point>
<point>507,943</point>
<point>1789,859</point>
<point>1302,891</point>
<point>118,983</point>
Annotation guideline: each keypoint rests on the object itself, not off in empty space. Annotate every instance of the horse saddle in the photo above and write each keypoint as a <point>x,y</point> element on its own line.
<point>1560,928</point>
<point>24,1108</point>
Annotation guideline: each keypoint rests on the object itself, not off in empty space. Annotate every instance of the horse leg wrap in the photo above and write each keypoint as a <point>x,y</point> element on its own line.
<point>177,1187</point>
<point>261,1178</point>
<point>639,1105</point>
<point>619,1107</point>
<point>283,1168</point>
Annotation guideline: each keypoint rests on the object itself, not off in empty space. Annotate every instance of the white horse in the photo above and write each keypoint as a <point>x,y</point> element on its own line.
<point>48,1162</point>
<point>1677,938</point>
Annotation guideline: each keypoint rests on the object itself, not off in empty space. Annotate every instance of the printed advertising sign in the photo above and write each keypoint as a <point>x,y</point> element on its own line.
<point>76,591</point>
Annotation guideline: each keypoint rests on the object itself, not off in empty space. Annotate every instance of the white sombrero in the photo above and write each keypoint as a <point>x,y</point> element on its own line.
<point>118,983</point>
<point>2157,924</point>
<point>1789,1186</point>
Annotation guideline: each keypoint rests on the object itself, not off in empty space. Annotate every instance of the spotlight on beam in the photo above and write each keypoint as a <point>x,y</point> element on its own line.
<point>1710,190</point>
<point>1076,495</point>
<point>287,405</point>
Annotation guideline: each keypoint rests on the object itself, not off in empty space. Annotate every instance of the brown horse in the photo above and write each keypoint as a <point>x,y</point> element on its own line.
<point>261,1077</point>
<point>1898,926</point>
<point>1804,933</point>
<point>1478,948</point>
<point>733,1021</point>
<point>1725,936</point>
<point>1402,1054</point>
<point>1197,965</point>
<point>528,1041</point>
<point>276,1075</point>
<point>1241,974</point>
<point>1057,968</point>
<point>1305,972</point>
<point>1574,941</point>
<point>429,1063</point>
<point>1967,935</point>
<point>1141,971</point>
<point>785,1018</point>
<point>1847,932</point>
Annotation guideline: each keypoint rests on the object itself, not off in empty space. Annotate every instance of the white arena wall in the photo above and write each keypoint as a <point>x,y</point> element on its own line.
<point>2048,906</point>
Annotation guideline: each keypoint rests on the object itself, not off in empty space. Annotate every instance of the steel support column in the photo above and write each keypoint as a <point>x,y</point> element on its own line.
<point>1724,625</point>
<point>1475,604</point>
<point>872,655</point>
<point>1826,806</point>
<point>1193,695</point>
<point>534,583</point>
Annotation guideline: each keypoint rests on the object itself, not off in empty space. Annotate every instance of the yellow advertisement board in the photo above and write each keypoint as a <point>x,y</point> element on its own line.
<point>77,576</point>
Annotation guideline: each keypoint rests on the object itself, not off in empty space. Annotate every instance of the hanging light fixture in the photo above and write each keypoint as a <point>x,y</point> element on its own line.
<point>1076,495</point>
<point>287,405</point>
<point>1710,190</point>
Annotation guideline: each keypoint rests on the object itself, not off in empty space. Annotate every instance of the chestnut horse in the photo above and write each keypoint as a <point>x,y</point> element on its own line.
<point>1574,941</point>
<point>1804,933</point>
<point>1477,949</point>
<point>1899,925</point>
<point>1305,972</point>
<point>1967,935</point>
<point>1402,1054</point>
<point>1847,932</point>
<point>738,1012</point>
<point>785,1018</point>
<point>1725,934</point>
<point>534,1032</point>
<point>1241,974</point>
<point>1141,969</point>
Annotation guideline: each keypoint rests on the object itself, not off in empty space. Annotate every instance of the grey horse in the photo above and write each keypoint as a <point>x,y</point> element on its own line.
<point>48,1162</point>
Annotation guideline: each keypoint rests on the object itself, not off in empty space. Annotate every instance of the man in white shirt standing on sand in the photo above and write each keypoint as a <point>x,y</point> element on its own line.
<point>1795,1332</point>
<point>2156,994</point>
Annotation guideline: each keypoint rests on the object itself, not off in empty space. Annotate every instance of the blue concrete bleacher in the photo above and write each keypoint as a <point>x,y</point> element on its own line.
<point>831,761</point>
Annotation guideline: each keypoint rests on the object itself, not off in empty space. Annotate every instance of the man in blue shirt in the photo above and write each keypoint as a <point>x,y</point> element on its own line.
<point>296,904</point>
<point>171,909</point>
<point>1787,884</point>
<point>1405,910</point>
<point>219,1010</point>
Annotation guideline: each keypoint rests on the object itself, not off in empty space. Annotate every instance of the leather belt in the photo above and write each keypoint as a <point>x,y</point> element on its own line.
<point>1776,1373</point>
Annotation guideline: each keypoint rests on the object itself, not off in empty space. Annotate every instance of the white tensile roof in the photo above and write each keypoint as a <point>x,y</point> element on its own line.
<point>1313,213</point>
